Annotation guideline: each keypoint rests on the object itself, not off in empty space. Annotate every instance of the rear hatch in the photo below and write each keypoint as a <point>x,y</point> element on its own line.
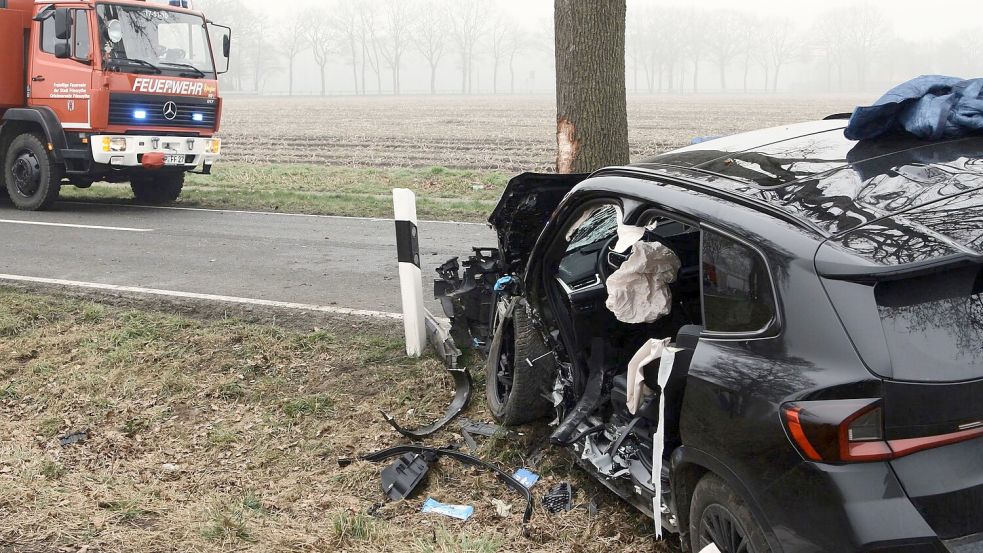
<point>916,319</point>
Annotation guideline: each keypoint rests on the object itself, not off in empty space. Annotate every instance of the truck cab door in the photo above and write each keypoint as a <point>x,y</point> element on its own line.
<point>63,84</point>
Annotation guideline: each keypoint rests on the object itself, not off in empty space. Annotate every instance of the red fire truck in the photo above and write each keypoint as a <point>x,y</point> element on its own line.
<point>116,91</point>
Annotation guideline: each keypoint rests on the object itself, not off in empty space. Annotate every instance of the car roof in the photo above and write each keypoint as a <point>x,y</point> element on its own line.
<point>929,192</point>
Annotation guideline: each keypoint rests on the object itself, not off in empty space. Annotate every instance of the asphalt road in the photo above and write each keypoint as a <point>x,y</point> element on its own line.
<point>327,261</point>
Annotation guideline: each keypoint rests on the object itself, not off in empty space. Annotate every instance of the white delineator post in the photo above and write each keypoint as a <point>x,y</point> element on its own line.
<point>410,276</point>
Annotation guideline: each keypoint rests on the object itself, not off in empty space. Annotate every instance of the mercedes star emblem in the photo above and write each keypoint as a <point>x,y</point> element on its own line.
<point>170,111</point>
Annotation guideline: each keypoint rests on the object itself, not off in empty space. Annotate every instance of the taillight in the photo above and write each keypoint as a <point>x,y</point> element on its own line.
<point>852,430</point>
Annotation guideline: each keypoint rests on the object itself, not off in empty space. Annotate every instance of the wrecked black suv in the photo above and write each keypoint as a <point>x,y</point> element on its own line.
<point>771,341</point>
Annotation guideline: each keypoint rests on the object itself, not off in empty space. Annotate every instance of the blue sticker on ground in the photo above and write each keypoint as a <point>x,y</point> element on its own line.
<point>526,477</point>
<point>462,512</point>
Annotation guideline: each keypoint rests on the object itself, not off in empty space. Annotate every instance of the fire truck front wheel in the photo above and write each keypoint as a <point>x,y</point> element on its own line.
<point>160,188</point>
<point>32,177</point>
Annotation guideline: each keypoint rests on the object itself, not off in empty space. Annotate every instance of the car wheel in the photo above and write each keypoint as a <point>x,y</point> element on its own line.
<point>32,177</point>
<point>162,188</point>
<point>517,392</point>
<point>718,516</point>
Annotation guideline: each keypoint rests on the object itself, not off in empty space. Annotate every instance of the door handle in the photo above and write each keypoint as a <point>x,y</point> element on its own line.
<point>38,78</point>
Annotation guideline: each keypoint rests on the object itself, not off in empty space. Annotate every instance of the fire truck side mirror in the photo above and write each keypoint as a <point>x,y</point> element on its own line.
<point>63,50</point>
<point>63,24</point>
<point>226,46</point>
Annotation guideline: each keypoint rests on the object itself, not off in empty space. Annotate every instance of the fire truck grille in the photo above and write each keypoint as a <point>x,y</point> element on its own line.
<point>162,111</point>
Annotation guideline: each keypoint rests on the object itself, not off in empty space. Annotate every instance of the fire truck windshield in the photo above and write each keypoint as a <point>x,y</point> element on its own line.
<point>149,40</point>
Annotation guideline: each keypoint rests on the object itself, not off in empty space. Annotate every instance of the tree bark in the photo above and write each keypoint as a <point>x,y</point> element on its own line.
<point>591,103</point>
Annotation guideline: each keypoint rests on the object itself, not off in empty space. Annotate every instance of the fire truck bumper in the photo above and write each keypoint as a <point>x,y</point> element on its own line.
<point>178,151</point>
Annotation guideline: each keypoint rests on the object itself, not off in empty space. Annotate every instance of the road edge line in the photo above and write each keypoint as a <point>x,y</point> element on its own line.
<point>206,297</point>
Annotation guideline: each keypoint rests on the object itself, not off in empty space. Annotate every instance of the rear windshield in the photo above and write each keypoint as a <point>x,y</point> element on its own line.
<point>933,325</point>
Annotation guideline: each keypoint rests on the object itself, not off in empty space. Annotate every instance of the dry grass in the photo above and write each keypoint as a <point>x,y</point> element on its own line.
<point>505,133</point>
<point>220,435</point>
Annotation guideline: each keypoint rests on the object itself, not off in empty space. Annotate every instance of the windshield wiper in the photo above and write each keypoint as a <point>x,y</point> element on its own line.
<point>133,61</point>
<point>200,73</point>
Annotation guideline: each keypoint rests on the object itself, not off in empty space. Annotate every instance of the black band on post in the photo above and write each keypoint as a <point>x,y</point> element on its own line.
<point>407,243</point>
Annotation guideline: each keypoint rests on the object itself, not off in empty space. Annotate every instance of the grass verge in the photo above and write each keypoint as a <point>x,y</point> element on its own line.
<point>215,434</point>
<point>442,194</point>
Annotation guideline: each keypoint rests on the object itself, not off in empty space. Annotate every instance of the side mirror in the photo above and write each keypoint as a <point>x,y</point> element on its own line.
<point>63,50</point>
<point>227,46</point>
<point>63,24</point>
<point>223,33</point>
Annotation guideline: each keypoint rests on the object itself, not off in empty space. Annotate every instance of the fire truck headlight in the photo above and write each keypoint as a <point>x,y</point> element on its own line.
<point>117,144</point>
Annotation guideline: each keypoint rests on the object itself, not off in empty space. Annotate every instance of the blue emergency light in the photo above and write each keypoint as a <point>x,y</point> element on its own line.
<point>139,114</point>
<point>181,3</point>
<point>198,117</point>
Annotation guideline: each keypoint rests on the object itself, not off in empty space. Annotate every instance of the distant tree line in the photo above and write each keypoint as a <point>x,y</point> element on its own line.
<point>668,49</point>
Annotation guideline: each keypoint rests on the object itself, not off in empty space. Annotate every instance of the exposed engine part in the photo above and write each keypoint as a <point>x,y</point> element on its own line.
<point>590,400</point>
<point>505,477</point>
<point>468,298</point>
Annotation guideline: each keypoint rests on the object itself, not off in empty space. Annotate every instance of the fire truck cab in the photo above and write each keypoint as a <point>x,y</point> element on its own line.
<point>116,91</point>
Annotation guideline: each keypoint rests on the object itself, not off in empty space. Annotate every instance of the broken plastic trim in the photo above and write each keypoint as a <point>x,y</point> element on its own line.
<point>505,477</point>
<point>441,340</point>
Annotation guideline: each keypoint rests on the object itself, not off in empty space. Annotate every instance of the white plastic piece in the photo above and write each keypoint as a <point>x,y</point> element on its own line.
<point>638,292</point>
<point>659,439</point>
<point>410,280</point>
<point>712,548</point>
<point>637,390</point>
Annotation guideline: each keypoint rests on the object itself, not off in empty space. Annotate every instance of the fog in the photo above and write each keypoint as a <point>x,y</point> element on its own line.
<point>505,46</point>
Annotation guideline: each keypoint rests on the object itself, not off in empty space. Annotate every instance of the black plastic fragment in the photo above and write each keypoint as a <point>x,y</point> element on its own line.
<point>505,477</point>
<point>560,498</point>
<point>400,479</point>
<point>462,395</point>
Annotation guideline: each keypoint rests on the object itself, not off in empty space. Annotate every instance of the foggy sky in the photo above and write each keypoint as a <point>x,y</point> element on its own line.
<point>912,24</point>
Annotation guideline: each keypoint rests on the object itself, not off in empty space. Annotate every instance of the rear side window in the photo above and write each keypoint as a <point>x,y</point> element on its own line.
<point>737,292</point>
<point>933,325</point>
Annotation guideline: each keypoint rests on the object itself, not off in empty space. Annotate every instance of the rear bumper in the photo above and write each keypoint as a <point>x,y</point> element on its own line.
<point>196,151</point>
<point>860,507</point>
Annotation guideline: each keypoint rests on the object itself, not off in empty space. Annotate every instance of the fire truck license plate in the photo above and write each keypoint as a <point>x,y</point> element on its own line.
<point>174,160</point>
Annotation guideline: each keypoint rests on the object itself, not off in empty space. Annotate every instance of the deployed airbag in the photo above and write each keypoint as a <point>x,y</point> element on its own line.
<point>638,292</point>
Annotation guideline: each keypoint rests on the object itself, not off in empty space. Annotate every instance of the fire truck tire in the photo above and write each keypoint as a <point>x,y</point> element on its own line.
<point>32,177</point>
<point>162,188</point>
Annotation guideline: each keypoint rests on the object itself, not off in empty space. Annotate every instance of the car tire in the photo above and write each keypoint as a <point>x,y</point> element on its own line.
<point>33,179</point>
<point>162,188</point>
<point>717,515</point>
<point>525,398</point>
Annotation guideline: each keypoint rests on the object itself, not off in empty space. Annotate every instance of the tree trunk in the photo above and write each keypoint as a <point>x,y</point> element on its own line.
<point>324,90</point>
<point>591,103</point>
<point>696,75</point>
<point>290,87</point>
<point>433,78</point>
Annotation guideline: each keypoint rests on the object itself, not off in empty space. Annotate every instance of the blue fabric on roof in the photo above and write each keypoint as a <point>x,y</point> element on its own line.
<point>930,107</point>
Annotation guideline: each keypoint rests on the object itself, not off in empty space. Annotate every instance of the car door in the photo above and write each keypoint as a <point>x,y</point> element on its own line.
<point>64,85</point>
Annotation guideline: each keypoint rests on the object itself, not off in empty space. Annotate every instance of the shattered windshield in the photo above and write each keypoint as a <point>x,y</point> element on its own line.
<point>156,41</point>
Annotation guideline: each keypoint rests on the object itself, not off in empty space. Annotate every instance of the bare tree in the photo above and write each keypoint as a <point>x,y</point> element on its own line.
<point>430,36</point>
<point>592,114</point>
<point>780,45</point>
<point>723,41</point>
<point>515,44</point>
<point>830,36</point>
<point>293,40</point>
<point>499,32</point>
<point>393,43</point>
<point>866,30</point>
<point>319,35</point>
<point>369,38</point>
<point>347,25</point>
<point>467,24</point>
